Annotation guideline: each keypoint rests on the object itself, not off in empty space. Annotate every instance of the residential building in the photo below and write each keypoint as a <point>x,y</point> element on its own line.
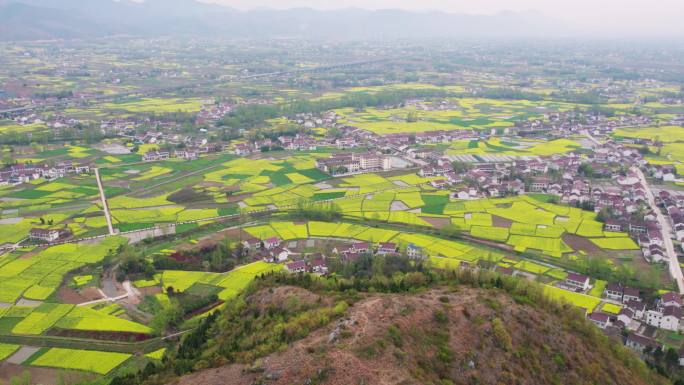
<point>577,281</point>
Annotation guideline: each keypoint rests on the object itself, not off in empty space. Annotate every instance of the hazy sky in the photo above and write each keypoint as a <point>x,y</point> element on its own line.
<point>652,16</point>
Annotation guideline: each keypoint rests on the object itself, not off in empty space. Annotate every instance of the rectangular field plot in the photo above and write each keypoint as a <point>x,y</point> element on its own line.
<point>83,318</point>
<point>85,360</point>
<point>615,243</point>
<point>531,267</point>
<point>290,230</point>
<point>586,302</point>
<point>492,233</point>
<point>42,318</point>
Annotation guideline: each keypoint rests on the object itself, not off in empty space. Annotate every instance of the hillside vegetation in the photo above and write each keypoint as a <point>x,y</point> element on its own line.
<point>415,328</point>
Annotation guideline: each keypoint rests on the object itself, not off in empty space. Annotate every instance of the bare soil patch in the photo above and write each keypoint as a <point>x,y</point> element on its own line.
<point>44,376</point>
<point>580,243</point>
<point>437,222</point>
<point>498,221</point>
<point>71,296</point>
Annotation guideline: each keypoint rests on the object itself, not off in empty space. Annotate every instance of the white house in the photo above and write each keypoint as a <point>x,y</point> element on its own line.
<point>296,267</point>
<point>578,281</point>
<point>625,316</point>
<point>414,251</point>
<point>670,299</point>
<point>613,291</point>
<point>639,308</point>
<point>272,243</point>
<point>664,318</point>
<point>640,343</point>
<point>602,320</point>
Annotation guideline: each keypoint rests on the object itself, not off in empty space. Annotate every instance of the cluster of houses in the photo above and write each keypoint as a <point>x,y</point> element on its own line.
<point>566,123</point>
<point>354,163</point>
<point>310,120</point>
<point>500,178</point>
<point>272,250</point>
<point>190,153</point>
<point>299,142</point>
<point>213,113</point>
<point>352,252</point>
<point>24,173</point>
<point>639,319</point>
<point>673,205</point>
<point>269,250</point>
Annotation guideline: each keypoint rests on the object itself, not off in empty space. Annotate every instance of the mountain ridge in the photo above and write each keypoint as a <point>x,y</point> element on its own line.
<point>52,19</point>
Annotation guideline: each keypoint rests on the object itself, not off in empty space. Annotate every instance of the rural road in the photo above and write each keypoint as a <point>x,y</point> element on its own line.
<point>590,137</point>
<point>666,233</point>
<point>105,206</point>
<point>130,292</point>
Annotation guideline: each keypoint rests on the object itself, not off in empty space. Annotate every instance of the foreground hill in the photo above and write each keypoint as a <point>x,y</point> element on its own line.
<point>442,335</point>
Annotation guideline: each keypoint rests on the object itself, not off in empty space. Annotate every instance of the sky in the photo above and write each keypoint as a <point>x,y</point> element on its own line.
<point>632,17</point>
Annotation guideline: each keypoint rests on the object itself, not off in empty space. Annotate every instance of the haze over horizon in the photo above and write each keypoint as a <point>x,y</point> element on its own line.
<point>629,18</point>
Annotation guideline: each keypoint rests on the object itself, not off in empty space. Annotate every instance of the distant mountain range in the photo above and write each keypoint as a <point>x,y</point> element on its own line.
<point>54,19</point>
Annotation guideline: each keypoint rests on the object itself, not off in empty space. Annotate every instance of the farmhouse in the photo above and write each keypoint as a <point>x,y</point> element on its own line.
<point>625,317</point>
<point>639,308</point>
<point>670,299</point>
<point>613,291</point>
<point>385,248</point>
<point>602,320</point>
<point>361,247</point>
<point>613,225</point>
<point>272,243</point>
<point>577,281</point>
<point>296,267</point>
<point>630,294</point>
<point>539,185</point>
<point>152,156</point>
<point>277,254</point>
<point>242,149</point>
<point>639,343</point>
<point>49,235</point>
<point>318,266</point>
<point>664,318</point>
<point>414,251</point>
<point>344,164</point>
<point>252,244</point>
<point>186,154</point>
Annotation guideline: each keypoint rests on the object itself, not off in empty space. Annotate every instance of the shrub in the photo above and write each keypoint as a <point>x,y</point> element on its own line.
<point>501,335</point>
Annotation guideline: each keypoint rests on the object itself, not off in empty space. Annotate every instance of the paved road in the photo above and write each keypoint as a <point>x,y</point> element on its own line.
<point>666,231</point>
<point>590,137</point>
<point>105,206</point>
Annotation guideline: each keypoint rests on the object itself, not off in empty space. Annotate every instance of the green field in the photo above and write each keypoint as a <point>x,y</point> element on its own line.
<point>466,113</point>
<point>85,360</point>
<point>586,302</point>
<point>7,350</point>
